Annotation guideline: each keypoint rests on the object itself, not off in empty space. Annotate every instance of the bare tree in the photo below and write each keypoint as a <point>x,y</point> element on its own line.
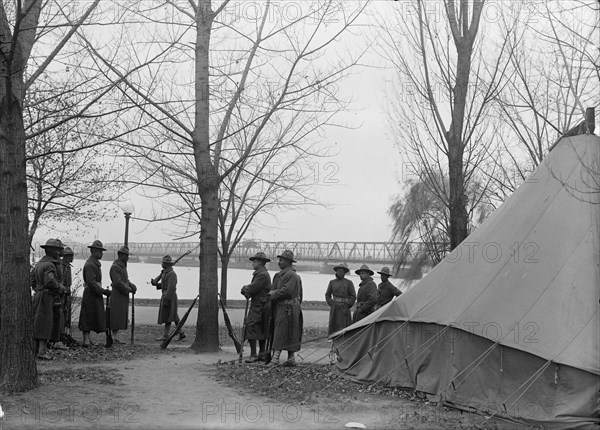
<point>73,178</point>
<point>20,65</point>
<point>42,124</point>
<point>279,175</point>
<point>444,92</point>
<point>555,73</point>
<point>259,94</point>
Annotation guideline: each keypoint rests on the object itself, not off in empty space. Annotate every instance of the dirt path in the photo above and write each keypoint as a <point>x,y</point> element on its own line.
<point>162,391</point>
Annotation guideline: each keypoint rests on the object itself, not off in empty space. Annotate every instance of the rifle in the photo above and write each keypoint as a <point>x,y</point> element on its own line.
<point>236,342</point>
<point>168,340</point>
<point>244,331</point>
<point>109,339</point>
<point>269,346</point>
<point>132,316</point>
<point>156,280</point>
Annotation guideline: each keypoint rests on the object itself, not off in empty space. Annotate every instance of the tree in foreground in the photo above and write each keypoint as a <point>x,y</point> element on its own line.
<point>20,65</point>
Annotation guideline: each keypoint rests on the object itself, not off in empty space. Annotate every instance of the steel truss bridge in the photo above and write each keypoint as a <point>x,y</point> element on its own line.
<point>350,252</point>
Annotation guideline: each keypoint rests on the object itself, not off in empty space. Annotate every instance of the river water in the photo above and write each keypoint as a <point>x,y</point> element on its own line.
<point>314,284</point>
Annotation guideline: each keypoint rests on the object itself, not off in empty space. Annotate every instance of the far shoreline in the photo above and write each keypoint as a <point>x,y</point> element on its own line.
<point>232,304</point>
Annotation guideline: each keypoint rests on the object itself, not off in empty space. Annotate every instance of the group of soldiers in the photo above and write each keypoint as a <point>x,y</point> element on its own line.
<point>341,295</point>
<point>51,282</point>
<point>275,312</point>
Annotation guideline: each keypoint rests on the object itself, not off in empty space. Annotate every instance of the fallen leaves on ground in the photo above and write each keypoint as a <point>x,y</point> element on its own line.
<point>93,374</point>
<point>100,353</point>
<point>317,385</point>
<point>304,383</point>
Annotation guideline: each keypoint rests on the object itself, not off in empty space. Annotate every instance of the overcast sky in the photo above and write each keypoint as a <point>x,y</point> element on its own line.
<point>357,185</point>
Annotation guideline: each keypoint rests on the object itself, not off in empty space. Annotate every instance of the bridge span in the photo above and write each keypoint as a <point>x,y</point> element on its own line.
<point>375,253</point>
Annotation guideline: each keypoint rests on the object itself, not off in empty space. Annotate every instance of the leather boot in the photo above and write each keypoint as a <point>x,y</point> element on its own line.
<point>86,340</point>
<point>275,360</point>
<point>291,361</point>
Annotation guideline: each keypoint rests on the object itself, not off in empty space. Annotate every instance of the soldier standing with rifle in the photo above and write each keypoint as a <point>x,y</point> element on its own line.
<point>92,316</point>
<point>119,299</point>
<point>259,317</point>
<point>167,311</point>
<point>286,298</point>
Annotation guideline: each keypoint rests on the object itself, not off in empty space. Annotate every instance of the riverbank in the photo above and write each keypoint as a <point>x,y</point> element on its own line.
<point>232,304</point>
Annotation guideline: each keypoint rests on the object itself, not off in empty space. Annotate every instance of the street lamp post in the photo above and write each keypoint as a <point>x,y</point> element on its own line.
<point>127,207</point>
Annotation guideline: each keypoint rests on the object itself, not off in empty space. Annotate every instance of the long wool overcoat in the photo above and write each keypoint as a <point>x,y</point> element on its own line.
<point>340,296</point>
<point>167,310</point>
<point>259,313</point>
<point>366,299</point>
<point>287,312</point>
<point>91,316</point>
<point>119,299</point>
<point>46,285</point>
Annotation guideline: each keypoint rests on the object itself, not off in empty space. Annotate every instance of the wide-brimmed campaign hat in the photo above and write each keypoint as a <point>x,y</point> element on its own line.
<point>385,271</point>
<point>341,266</point>
<point>52,243</point>
<point>167,260</point>
<point>364,268</point>
<point>260,256</point>
<point>288,255</point>
<point>97,245</point>
<point>68,251</point>
<point>124,250</point>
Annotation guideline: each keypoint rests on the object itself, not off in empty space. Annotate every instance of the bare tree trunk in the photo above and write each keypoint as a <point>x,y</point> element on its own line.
<point>224,267</point>
<point>17,356</point>
<point>464,34</point>
<point>225,258</point>
<point>457,204</point>
<point>207,327</point>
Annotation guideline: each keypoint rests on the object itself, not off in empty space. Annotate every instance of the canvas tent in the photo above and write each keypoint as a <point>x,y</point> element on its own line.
<point>508,324</point>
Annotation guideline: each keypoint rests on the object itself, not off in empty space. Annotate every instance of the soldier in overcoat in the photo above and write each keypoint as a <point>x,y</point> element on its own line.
<point>340,296</point>
<point>286,300</point>
<point>366,298</point>
<point>259,314</point>
<point>92,316</point>
<point>386,291</point>
<point>119,299</point>
<point>167,310</point>
<point>47,288</point>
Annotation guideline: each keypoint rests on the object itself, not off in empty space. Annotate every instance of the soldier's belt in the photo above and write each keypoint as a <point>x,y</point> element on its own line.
<point>294,301</point>
<point>340,299</point>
